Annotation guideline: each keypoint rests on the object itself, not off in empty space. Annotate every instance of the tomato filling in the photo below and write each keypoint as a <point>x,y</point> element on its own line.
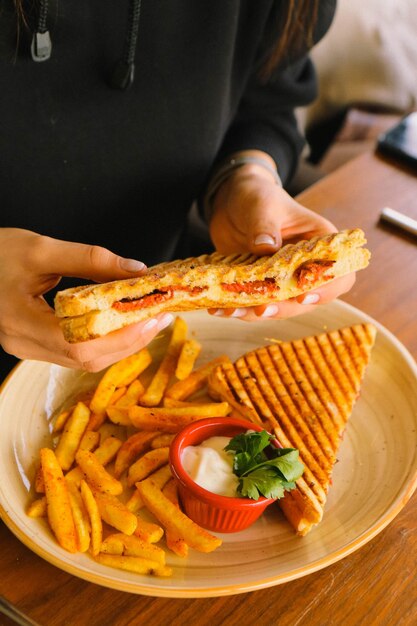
<point>156,297</point>
<point>309,273</point>
<point>253,286</point>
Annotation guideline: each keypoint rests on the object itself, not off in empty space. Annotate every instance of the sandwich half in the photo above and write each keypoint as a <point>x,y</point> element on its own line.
<point>214,280</point>
<point>304,392</point>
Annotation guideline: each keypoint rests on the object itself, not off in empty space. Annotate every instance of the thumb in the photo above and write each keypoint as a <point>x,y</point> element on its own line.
<point>96,263</point>
<point>263,228</point>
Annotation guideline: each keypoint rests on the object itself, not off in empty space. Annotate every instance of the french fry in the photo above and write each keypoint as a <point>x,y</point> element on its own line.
<point>155,391</point>
<point>94,517</point>
<point>132,395</point>
<point>108,429</point>
<point>130,545</point>
<point>148,531</point>
<point>119,415</point>
<point>134,564</point>
<point>188,355</point>
<point>117,375</point>
<point>195,381</point>
<point>173,540</point>
<point>161,441</point>
<point>39,484</point>
<point>57,501</point>
<point>71,436</point>
<point>105,453</point>
<point>97,477</point>
<point>96,420</point>
<point>61,419</point>
<point>37,508</point>
<point>158,478</point>
<point>81,520</point>
<point>146,464</point>
<point>135,502</point>
<point>115,513</point>
<point>129,451</point>
<point>175,520</point>
<point>118,393</point>
<point>171,420</point>
<point>90,440</point>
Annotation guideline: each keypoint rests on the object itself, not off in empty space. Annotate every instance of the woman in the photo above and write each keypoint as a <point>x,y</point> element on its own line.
<point>110,152</point>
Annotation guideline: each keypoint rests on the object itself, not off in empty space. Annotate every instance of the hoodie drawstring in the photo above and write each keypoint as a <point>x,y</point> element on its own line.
<point>41,46</point>
<point>124,70</point>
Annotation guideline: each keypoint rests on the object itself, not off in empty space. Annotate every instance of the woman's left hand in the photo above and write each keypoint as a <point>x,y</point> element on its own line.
<point>251,213</point>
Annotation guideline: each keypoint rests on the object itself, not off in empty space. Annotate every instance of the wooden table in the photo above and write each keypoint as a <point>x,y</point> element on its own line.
<point>376,584</point>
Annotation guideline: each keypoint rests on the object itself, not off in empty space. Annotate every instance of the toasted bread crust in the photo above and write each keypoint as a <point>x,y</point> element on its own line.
<point>211,281</point>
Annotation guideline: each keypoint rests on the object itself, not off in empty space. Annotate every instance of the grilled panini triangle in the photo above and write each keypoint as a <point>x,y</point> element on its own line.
<point>304,391</point>
<point>213,280</point>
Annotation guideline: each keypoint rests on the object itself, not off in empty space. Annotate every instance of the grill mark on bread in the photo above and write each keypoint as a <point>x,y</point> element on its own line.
<point>310,400</point>
<point>272,414</point>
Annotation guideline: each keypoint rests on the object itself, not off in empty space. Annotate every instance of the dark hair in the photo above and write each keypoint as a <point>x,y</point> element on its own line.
<point>296,33</point>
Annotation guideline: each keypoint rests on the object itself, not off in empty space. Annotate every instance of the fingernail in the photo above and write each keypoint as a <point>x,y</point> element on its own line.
<point>238,313</point>
<point>150,324</point>
<point>270,311</point>
<point>310,298</point>
<point>165,320</point>
<point>131,265</point>
<point>264,239</point>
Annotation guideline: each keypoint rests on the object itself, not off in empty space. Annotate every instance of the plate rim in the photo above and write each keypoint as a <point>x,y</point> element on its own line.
<point>233,589</point>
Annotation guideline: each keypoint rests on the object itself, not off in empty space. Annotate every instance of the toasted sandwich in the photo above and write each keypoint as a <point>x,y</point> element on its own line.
<point>209,281</point>
<point>304,392</point>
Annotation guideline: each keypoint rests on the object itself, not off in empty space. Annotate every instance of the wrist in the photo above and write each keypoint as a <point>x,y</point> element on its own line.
<point>241,165</point>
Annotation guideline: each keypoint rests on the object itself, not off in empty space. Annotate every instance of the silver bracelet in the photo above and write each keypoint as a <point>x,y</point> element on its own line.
<point>226,170</point>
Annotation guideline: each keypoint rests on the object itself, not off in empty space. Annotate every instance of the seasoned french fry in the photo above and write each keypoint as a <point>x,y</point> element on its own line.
<point>105,453</point>
<point>117,375</point>
<point>159,478</point>
<point>118,393</point>
<point>142,361</point>
<point>94,517</point>
<point>90,440</point>
<point>175,520</point>
<point>147,464</point>
<point>58,503</point>
<point>115,513</point>
<point>173,540</point>
<point>37,508</point>
<point>119,415</point>
<point>135,502</point>
<point>97,477</point>
<point>39,484</point>
<point>166,369</point>
<point>188,355</point>
<point>195,381</point>
<point>202,409</point>
<point>108,429</point>
<point>148,531</point>
<point>129,451</point>
<point>61,419</point>
<point>132,395</point>
<point>71,436</point>
<point>130,545</point>
<point>166,420</point>
<point>96,420</point>
<point>161,441</point>
<point>134,564</point>
<point>81,519</point>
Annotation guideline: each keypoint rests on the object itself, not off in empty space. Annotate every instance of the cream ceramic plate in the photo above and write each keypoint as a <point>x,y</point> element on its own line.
<point>373,480</point>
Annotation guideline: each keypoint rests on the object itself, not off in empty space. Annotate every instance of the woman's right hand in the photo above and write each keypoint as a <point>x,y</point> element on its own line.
<point>31,265</point>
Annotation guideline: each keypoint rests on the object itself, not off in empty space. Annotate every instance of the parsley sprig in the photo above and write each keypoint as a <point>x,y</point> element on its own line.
<point>262,468</point>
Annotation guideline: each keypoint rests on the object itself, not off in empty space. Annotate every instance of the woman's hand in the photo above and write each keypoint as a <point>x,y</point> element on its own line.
<point>31,265</point>
<point>251,213</point>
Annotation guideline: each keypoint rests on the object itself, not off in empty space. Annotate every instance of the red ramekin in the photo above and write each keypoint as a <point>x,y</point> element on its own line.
<point>218,513</point>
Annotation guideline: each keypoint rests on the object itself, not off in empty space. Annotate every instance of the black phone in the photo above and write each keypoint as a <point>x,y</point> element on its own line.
<point>400,142</point>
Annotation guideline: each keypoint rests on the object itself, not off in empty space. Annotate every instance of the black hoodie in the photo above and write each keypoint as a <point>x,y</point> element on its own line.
<point>82,161</point>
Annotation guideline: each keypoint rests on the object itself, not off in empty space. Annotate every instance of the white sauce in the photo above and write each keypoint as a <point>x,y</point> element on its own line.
<point>211,467</point>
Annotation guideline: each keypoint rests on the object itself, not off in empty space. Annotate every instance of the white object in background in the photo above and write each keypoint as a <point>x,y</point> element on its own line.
<point>399,219</point>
